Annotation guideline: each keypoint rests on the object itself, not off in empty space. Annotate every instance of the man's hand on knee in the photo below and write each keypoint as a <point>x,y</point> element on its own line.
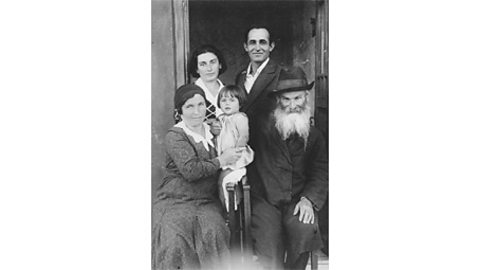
<point>304,206</point>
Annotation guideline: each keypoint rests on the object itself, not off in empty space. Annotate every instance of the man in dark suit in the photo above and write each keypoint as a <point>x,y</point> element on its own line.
<point>260,76</point>
<point>288,178</point>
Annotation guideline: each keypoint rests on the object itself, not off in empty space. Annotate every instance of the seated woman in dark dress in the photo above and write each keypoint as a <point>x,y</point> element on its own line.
<point>189,228</point>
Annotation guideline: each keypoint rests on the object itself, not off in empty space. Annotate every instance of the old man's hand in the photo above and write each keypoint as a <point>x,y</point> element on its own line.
<point>304,206</point>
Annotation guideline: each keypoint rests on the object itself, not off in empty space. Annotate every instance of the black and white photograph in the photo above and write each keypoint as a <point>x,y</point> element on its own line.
<point>241,180</point>
<point>226,134</point>
<point>240,134</point>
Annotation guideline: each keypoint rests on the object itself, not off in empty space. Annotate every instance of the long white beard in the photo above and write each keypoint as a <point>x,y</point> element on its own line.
<point>288,123</point>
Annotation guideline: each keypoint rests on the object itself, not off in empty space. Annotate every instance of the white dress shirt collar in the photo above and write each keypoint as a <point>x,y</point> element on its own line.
<point>249,78</point>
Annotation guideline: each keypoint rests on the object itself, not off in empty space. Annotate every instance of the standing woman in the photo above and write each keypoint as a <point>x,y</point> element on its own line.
<point>206,64</point>
<point>189,228</point>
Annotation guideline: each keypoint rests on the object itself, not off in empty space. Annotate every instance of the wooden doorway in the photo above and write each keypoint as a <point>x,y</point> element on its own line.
<point>179,26</point>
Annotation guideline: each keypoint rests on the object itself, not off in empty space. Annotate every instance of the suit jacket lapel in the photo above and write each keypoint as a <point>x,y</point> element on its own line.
<point>264,78</point>
<point>241,80</point>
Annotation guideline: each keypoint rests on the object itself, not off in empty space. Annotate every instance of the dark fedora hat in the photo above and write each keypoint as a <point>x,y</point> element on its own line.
<point>292,79</point>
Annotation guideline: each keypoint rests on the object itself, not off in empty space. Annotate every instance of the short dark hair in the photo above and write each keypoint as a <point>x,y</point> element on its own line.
<point>234,91</point>
<point>206,48</point>
<point>258,26</point>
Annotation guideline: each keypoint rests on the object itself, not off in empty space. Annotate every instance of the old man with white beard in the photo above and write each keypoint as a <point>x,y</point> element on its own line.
<point>289,177</point>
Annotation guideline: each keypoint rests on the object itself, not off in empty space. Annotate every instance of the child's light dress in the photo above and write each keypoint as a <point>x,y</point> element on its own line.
<point>234,129</point>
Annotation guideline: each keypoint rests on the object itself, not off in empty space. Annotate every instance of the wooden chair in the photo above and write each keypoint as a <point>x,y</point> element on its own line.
<point>239,221</point>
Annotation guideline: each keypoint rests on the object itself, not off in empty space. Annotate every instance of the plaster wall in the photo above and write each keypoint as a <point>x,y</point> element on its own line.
<point>163,82</point>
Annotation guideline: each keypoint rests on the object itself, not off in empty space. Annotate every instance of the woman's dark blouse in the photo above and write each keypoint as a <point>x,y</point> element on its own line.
<point>187,208</point>
<point>191,171</point>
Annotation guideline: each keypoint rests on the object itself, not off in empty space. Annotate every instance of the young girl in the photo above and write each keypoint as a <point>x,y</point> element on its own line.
<point>234,133</point>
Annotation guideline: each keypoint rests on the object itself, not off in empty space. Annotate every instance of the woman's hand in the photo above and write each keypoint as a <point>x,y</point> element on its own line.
<point>215,126</point>
<point>229,156</point>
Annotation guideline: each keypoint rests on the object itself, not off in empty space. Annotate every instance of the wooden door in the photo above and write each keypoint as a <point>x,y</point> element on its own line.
<point>321,79</point>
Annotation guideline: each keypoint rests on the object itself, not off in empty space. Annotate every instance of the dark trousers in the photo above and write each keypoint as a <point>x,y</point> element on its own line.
<point>276,231</point>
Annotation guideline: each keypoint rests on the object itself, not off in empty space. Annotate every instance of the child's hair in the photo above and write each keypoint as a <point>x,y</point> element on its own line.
<point>234,91</point>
